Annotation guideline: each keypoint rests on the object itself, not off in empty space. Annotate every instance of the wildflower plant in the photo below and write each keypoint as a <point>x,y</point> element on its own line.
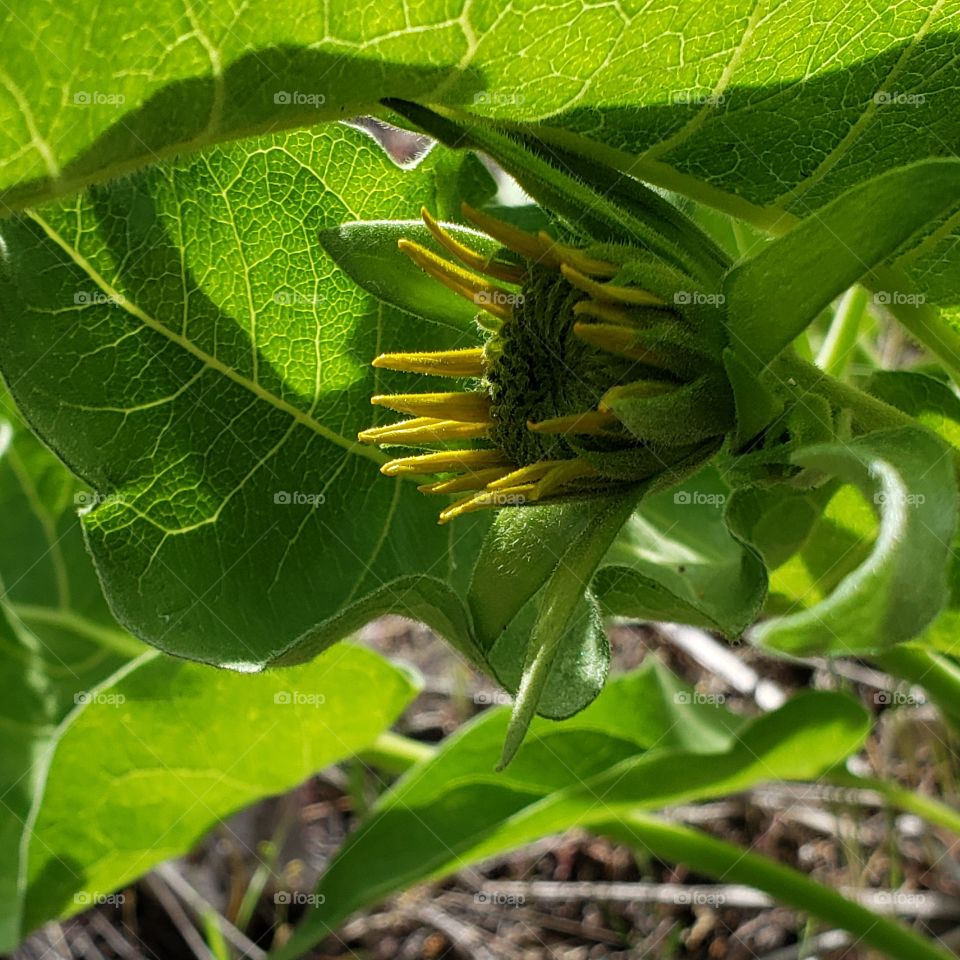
<point>618,351</point>
<point>269,380</point>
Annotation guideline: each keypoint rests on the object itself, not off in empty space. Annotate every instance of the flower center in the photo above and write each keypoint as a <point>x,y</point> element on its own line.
<point>540,369</point>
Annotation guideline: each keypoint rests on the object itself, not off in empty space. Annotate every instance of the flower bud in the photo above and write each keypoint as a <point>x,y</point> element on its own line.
<point>599,367</point>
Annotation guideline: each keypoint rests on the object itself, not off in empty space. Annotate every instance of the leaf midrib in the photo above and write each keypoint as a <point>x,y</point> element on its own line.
<point>207,359</point>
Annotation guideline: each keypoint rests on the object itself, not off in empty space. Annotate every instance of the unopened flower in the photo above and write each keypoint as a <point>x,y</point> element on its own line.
<point>599,366</point>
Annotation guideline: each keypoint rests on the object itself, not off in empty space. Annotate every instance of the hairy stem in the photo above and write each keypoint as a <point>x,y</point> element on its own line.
<point>869,413</point>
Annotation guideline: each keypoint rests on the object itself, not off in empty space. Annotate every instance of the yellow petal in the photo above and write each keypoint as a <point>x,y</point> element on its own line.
<point>532,472</point>
<point>526,244</point>
<point>441,363</point>
<point>554,482</point>
<point>469,481</point>
<point>425,430</point>
<point>470,407</point>
<point>588,422</point>
<point>607,312</point>
<point>609,292</point>
<point>469,256</point>
<point>577,258</point>
<point>638,390</point>
<point>445,461</point>
<point>495,300</point>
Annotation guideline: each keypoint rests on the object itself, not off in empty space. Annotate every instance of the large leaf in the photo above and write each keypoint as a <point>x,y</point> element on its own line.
<point>755,100</point>
<point>908,475</point>
<point>47,576</point>
<point>210,388</point>
<point>85,730</point>
<point>164,750</point>
<point>811,538</point>
<point>937,407</point>
<point>644,742</point>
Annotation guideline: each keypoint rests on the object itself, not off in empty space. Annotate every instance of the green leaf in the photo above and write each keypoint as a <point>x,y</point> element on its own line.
<point>367,252</point>
<point>57,638</point>
<point>180,747</point>
<point>930,402</point>
<point>748,100</point>
<point>568,628</point>
<point>86,730</point>
<point>210,389</point>
<point>776,520</point>
<point>730,863</point>
<point>936,407</point>
<point>643,743</point>
<point>521,553</point>
<point>675,560</point>
<point>48,580</point>
<point>772,297</point>
<point>901,586</point>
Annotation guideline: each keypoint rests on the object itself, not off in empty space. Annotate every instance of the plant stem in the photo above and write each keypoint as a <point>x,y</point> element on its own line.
<point>842,335</point>
<point>869,413</point>
<point>728,862</point>
<point>772,220</point>
<point>394,753</point>
<point>927,808</point>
